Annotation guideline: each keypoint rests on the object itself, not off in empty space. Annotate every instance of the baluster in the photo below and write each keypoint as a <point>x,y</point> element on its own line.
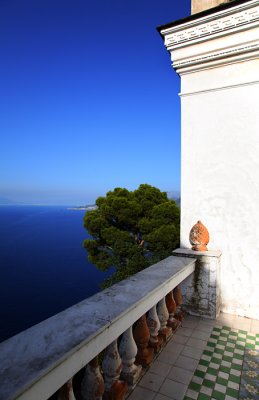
<point>115,389</point>
<point>128,350</point>
<point>92,387</point>
<point>154,326</point>
<point>171,307</point>
<point>145,354</point>
<point>163,315</point>
<point>179,301</point>
<point>66,391</point>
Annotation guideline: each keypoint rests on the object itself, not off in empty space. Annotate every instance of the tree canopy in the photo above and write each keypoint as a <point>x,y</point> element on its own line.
<point>131,230</point>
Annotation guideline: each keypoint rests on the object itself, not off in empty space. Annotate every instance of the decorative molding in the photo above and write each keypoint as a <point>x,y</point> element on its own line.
<point>194,93</point>
<point>216,58</point>
<point>211,41</point>
<point>221,22</point>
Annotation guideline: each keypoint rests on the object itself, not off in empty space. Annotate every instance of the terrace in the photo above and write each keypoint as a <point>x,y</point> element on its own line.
<point>146,350</point>
<point>206,359</point>
<point>132,340</point>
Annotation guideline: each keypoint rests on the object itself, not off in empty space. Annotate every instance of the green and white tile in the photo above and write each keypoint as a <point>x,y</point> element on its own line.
<point>249,386</point>
<point>218,374</point>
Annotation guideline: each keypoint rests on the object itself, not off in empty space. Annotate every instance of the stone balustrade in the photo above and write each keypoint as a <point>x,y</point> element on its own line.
<point>127,324</point>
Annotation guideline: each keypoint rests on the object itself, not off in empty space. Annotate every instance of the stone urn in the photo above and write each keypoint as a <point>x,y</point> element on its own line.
<point>199,237</point>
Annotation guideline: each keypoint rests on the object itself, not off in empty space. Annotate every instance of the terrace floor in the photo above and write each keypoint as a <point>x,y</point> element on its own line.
<point>206,359</point>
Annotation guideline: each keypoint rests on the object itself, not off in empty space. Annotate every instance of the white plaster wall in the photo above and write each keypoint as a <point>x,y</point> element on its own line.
<point>220,177</point>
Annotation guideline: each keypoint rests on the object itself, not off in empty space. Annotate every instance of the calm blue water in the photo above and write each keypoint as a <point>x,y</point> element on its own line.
<point>44,268</point>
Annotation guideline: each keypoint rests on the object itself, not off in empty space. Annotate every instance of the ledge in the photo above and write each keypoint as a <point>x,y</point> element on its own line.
<point>196,254</point>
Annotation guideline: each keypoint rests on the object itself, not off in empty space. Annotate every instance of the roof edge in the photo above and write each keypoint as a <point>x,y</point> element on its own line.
<point>220,7</point>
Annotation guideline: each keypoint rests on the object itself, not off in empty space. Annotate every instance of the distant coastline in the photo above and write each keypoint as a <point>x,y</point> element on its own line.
<point>173,195</point>
<point>84,208</point>
<point>5,201</point>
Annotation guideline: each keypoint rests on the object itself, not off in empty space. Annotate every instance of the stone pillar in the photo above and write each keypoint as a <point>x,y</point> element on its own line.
<point>141,335</point>
<point>128,351</point>
<point>201,290</point>
<point>163,315</point>
<point>66,391</point>
<point>115,389</point>
<point>92,386</point>
<point>154,326</point>
<point>171,306</point>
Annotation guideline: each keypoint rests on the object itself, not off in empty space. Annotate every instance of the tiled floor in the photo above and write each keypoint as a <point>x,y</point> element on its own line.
<point>249,386</point>
<point>203,360</point>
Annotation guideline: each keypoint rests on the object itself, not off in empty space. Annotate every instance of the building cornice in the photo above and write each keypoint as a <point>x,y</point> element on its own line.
<point>196,34</point>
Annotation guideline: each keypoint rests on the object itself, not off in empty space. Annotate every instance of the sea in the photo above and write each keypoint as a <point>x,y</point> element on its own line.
<point>43,265</point>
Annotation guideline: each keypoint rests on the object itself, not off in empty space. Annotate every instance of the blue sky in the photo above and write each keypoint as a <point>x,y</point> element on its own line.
<point>88,99</point>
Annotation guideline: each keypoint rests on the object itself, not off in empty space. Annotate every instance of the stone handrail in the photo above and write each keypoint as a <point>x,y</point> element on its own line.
<point>37,362</point>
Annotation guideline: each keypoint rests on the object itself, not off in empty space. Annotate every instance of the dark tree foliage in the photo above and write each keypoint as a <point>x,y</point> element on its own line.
<point>131,230</point>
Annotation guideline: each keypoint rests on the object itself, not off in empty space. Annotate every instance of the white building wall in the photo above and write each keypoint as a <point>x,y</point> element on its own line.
<point>217,58</point>
<point>220,185</point>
